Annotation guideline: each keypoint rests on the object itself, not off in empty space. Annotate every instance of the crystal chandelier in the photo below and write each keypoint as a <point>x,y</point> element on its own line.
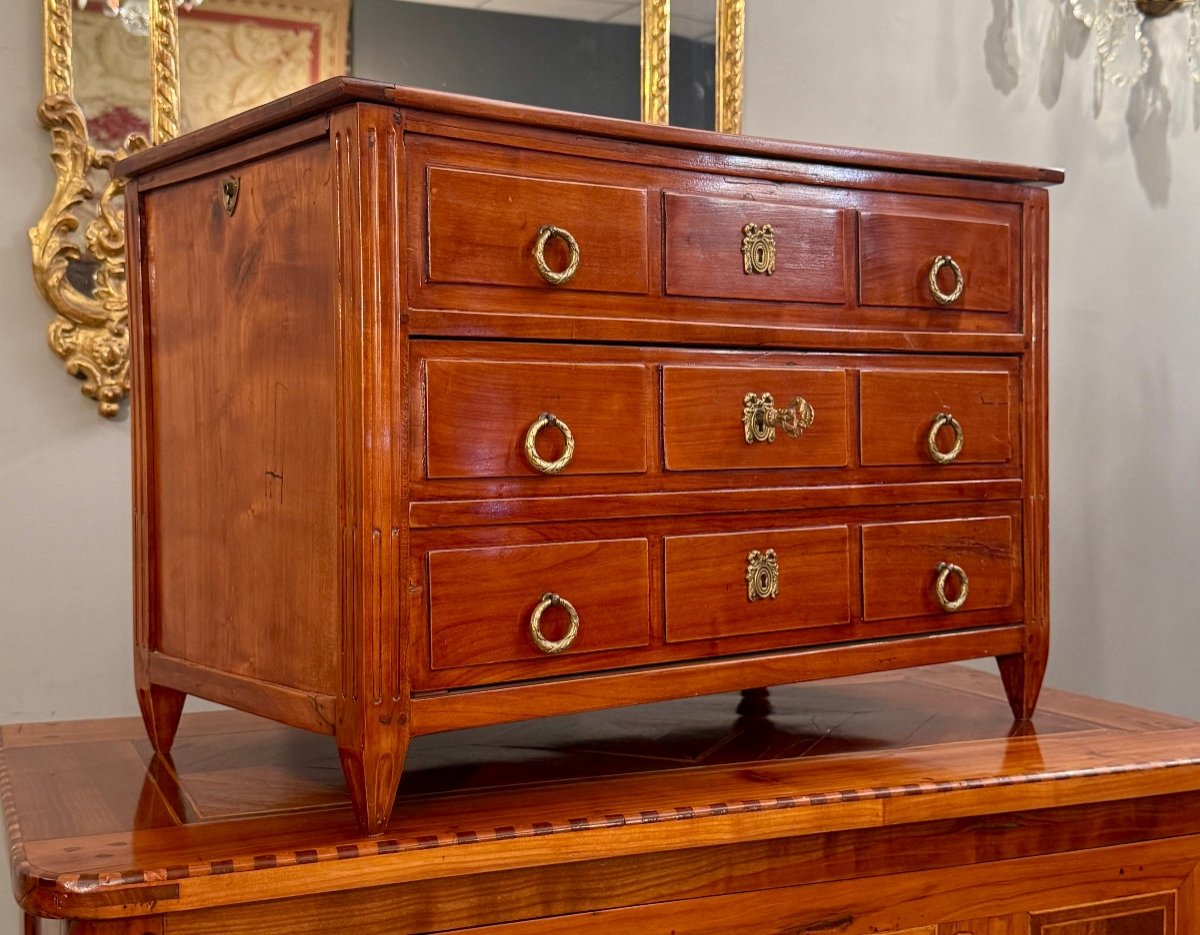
<point>135,14</point>
<point>1123,50</point>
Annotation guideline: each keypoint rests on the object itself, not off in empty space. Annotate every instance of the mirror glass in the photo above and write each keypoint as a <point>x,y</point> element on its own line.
<point>575,55</point>
<point>112,87</point>
<point>693,63</point>
<point>112,77</point>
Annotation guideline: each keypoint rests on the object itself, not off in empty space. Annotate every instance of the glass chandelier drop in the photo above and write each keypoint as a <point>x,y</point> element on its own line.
<point>1122,48</point>
<point>134,14</point>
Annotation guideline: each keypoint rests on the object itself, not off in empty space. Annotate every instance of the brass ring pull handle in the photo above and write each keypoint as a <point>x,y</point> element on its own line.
<point>945,570</point>
<point>536,461</point>
<point>554,277</point>
<point>553,647</point>
<point>945,298</point>
<point>945,457</point>
<point>760,417</point>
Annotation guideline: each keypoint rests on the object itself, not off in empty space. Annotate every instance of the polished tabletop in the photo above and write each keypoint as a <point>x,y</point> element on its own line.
<point>96,824</point>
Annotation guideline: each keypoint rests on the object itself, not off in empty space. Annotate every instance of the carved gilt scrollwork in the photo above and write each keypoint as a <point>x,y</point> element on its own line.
<point>731,43</point>
<point>83,279</point>
<point>730,53</point>
<point>656,60</point>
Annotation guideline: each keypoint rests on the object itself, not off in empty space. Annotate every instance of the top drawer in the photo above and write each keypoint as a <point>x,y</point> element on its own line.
<point>512,230</point>
<point>961,257</point>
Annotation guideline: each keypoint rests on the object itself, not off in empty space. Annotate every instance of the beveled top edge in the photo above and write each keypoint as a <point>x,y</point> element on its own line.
<point>340,91</point>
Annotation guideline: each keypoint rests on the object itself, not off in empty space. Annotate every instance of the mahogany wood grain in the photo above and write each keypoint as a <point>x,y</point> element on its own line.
<point>900,565</point>
<point>703,426</point>
<point>908,794</point>
<point>478,414</point>
<point>704,255</point>
<point>363,328</point>
<point>896,252</point>
<point>481,602</point>
<point>483,228</point>
<point>898,410</point>
<point>706,587</point>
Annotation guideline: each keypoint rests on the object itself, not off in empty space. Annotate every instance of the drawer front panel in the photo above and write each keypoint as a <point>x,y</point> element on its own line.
<point>481,601</point>
<point>902,563</point>
<point>901,408</point>
<point>896,252</point>
<point>801,258</point>
<point>705,418</point>
<point>480,413</point>
<point>483,228</point>
<point>756,582</point>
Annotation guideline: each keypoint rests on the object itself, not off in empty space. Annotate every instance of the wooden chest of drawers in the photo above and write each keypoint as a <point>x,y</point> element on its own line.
<point>450,413</point>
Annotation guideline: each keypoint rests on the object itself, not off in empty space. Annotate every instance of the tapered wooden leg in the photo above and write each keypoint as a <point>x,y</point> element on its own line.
<point>373,775</point>
<point>756,702</point>
<point>1022,674</point>
<point>31,926</point>
<point>161,709</point>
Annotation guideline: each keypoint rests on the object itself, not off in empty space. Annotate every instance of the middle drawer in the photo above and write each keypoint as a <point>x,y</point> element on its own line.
<point>530,420</point>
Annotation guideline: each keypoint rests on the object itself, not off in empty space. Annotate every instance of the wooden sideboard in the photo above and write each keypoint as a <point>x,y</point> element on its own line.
<point>449,413</point>
<point>900,802</point>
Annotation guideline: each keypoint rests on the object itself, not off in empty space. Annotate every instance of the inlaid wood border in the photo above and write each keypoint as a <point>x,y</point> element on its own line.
<point>91,884</point>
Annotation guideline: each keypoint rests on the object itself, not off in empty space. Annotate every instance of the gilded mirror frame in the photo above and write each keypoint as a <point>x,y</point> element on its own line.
<point>91,328</point>
<point>728,67</point>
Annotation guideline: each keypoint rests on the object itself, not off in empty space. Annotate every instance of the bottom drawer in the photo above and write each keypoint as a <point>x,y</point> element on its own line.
<point>490,605</point>
<point>939,567</point>
<point>756,582</point>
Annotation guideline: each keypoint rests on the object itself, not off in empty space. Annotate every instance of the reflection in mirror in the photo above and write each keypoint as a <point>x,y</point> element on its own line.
<point>585,54</point>
<point>693,54</point>
<point>575,55</point>
<point>112,88</point>
<point>112,77</point>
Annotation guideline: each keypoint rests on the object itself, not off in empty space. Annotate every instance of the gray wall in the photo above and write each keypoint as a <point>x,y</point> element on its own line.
<point>565,64</point>
<point>65,586</point>
<point>1012,80</point>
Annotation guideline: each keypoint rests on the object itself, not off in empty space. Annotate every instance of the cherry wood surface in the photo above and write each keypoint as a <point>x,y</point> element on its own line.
<point>482,229</point>
<point>898,410</point>
<point>900,564</point>
<point>481,602</point>
<point>896,250</point>
<point>337,91</point>
<point>703,427</point>
<point>724,584</point>
<point>245,439</point>
<point>706,582</point>
<point>704,256</point>
<point>478,414</point>
<point>334,525</point>
<point>889,800</point>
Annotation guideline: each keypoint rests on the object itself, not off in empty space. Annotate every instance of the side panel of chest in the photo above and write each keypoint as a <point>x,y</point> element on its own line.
<point>243,334</point>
